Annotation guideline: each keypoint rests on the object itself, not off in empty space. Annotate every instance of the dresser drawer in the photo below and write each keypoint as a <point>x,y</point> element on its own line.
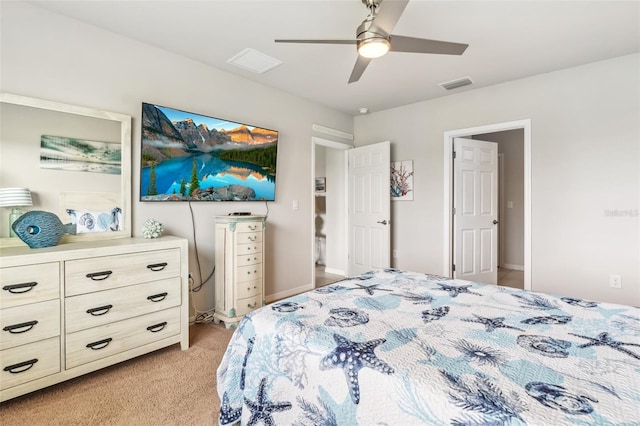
<point>29,362</point>
<point>102,307</point>
<point>248,226</point>
<point>28,284</point>
<point>100,342</point>
<point>249,237</point>
<point>242,249</point>
<point>103,273</point>
<point>249,272</point>
<point>248,289</point>
<point>29,323</point>
<point>244,306</point>
<point>248,259</point>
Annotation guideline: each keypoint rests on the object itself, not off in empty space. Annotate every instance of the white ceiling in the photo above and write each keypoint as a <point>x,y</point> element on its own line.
<point>507,40</point>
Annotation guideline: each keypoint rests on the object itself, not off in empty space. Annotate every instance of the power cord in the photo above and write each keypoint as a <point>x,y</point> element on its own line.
<point>201,316</point>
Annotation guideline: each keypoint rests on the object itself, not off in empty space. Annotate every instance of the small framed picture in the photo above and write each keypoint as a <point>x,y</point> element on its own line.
<point>321,184</point>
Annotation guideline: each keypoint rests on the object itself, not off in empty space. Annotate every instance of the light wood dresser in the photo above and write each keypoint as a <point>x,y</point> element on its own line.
<point>239,257</point>
<point>74,308</point>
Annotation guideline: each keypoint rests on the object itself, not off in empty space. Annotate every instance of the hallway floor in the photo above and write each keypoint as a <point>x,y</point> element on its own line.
<point>511,278</point>
<point>324,278</point>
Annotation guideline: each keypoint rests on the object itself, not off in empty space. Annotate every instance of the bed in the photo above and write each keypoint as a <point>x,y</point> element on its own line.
<point>393,347</point>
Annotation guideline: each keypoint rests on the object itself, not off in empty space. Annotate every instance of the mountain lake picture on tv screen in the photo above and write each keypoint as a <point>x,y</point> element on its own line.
<point>192,157</point>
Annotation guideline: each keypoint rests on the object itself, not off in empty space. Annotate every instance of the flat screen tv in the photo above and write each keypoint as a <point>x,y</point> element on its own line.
<point>193,157</point>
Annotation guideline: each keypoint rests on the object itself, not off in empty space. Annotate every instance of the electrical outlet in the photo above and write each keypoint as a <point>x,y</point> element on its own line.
<point>615,281</point>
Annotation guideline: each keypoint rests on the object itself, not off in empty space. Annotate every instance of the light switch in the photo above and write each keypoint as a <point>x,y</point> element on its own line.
<point>295,205</point>
<point>509,204</point>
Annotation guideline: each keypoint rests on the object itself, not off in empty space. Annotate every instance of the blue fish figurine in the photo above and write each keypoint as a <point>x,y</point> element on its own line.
<point>41,229</point>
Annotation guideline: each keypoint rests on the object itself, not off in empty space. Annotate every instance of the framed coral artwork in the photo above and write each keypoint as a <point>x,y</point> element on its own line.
<point>402,180</point>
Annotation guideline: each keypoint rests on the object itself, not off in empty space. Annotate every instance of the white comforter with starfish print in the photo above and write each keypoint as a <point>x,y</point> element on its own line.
<point>402,348</point>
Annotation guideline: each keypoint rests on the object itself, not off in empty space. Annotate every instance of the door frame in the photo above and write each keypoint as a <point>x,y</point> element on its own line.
<point>328,144</point>
<point>449,135</point>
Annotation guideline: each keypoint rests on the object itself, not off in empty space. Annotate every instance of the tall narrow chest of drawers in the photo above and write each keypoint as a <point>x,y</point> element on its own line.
<point>239,257</point>
<point>74,308</point>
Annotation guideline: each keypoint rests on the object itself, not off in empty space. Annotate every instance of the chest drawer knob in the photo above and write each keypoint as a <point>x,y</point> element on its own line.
<point>20,288</point>
<point>100,344</point>
<point>157,327</point>
<point>99,276</point>
<point>100,310</point>
<point>252,305</point>
<point>158,297</point>
<point>20,328</point>
<point>20,367</point>
<point>252,238</point>
<point>157,266</point>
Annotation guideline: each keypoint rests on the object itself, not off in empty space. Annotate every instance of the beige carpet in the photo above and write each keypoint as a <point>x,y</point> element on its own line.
<point>165,387</point>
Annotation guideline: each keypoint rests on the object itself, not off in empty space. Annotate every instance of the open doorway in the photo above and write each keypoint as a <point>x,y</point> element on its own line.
<point>328,221</point>
<point>500,130</point>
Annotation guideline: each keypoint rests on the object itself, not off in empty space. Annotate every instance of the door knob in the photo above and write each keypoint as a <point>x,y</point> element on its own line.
<point>495,222</point>
<point>383,222</point>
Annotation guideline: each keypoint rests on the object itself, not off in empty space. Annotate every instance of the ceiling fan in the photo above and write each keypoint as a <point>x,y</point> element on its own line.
<point>374,38</point>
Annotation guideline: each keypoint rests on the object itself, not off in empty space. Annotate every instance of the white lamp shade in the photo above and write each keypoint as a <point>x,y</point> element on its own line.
<point>13,197</point>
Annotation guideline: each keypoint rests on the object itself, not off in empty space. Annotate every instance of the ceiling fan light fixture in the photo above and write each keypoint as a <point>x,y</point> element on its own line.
<point>373,47</point>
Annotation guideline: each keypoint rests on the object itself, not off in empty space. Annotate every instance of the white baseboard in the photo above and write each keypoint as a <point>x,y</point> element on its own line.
<point>288,293</point>
<point>334,271</point>
<point>515,267</point>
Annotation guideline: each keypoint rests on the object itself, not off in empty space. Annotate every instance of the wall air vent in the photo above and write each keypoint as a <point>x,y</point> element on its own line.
<point>454,84</point>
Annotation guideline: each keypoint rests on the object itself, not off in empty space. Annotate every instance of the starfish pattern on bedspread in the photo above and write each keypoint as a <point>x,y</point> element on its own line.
<point>456,290</point>
<point>603,339</point>
<point>368,288</point>
<point>491,323</point>
<point>262,407</point>
<point>352,357</point>
<point>228,414</point>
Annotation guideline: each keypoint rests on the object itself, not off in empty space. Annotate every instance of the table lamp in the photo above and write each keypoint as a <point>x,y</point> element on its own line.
<point>15,198</point>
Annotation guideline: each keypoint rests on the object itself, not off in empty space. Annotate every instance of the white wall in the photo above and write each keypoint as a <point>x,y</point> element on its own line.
<point>48,56</point>
<point>585,165</point>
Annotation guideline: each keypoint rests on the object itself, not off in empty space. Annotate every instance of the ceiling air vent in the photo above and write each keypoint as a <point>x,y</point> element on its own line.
<point>454,84</point>
<point>254,61</point>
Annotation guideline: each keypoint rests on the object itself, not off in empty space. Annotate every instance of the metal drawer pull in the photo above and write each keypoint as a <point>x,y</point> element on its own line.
<point>26,325</point>
<point>252,305</point>
<point>157,327</point>
<point>158,297</point>
<point>13,368</point>
<point>101,310</point>
<point>99,276</point>
<point>24,287</point>
<point>100,344</point>
<point>254,238</point>
<point>157,266</point>
<point>252,227</point>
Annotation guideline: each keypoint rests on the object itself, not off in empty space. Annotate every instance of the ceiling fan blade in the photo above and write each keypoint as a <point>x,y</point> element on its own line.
<point>388,14</point>
<point>358,68</point>
<point>318,41</point>
<point>423,45</point>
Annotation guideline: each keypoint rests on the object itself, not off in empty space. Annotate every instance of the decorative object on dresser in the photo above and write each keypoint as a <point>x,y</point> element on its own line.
<point>41,229</point>
<point>78,307</point>
<point>239,257</point>
<point>15,198</point>
<point>151,228</point>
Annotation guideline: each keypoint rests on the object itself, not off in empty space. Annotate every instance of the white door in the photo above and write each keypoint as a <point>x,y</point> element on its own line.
<point>475,204</point>
<point>369,208</point>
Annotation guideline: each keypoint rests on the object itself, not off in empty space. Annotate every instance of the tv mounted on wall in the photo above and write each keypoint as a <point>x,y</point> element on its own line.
<point>193,157</point>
